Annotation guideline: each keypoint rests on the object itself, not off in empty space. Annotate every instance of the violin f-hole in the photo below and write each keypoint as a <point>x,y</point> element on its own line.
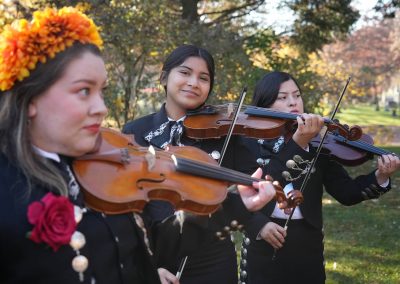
<point>150,180</point>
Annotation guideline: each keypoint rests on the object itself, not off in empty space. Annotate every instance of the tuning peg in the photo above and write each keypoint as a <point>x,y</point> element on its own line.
<point>286,175</point>
<point>290,164</point>
<point>298,159</point>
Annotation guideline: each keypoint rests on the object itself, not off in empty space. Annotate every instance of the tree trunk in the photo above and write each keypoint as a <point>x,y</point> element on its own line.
<point>189,10</point>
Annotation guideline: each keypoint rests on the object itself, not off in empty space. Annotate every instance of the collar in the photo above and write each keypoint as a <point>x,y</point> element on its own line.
<point>161,117</point>
<point>179,120</point>
<point>45,154</point>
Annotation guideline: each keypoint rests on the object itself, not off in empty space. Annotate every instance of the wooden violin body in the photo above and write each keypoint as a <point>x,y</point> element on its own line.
<point>122,177</point>
<point>262,123</point>
<point>214,122</point>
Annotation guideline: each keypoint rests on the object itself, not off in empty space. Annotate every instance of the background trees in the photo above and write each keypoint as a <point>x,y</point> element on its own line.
<point>138,34</point>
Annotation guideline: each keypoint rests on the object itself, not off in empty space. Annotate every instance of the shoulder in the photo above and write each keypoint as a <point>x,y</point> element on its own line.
<point>139,125</point>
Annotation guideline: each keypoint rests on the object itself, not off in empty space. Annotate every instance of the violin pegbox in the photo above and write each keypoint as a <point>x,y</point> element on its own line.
<point>294,198</point>
<point>290,200</point>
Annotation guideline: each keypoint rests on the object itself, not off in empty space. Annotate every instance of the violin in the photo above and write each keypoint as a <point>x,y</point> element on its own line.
<point>262,123</point>
<point>213,121</point>
<point>350,153</point>
<point>122,177</point>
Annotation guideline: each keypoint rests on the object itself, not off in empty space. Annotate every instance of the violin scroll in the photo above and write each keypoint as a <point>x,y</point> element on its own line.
<point>351,133</point>
<point>292,200</point>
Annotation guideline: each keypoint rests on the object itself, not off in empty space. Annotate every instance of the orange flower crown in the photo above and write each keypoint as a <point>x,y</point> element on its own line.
<point>24,43</point>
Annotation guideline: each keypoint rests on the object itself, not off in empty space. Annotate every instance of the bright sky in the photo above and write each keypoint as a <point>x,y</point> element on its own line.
<point>283,18</point>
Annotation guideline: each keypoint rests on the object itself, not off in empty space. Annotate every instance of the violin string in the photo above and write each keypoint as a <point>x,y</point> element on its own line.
<point>213,171</point>
<point>279,114</point>
<point>359,144</point>
<point>368,147</point>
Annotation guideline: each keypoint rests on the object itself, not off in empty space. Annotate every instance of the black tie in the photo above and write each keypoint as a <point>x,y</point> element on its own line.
<point>169,133</point>
<point>69,177</point>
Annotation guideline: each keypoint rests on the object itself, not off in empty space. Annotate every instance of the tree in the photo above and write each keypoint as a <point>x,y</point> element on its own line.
<point>139,34</point>
<point>369,56</point>
<point>387,8</point>
<point>321,22</point>
<point>269,52</point>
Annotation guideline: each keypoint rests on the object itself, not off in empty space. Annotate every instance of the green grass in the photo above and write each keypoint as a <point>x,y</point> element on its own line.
<point>362,242</point>
<point>380,125</point>
<point>367,115</point>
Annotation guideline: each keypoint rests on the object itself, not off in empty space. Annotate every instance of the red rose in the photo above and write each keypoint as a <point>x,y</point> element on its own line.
<point>53,220</point>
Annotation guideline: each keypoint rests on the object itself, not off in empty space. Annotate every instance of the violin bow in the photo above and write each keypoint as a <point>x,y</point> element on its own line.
<point>223,151</point>
<point>313,162</point>
<point>231,127</point>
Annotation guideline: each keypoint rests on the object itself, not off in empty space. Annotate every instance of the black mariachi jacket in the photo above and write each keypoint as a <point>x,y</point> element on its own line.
<point>329,175</point>
<point>115,245</point>
<point>199,234</point>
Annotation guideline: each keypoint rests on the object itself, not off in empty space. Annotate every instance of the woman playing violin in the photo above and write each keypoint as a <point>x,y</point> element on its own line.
<point>275,255</point>
<point>48,116</point>
<point>188,77</point>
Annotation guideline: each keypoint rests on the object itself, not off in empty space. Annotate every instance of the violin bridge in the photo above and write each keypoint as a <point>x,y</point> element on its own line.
<point>229,110</point>
<point>125,158</point>
<point>150,158</point>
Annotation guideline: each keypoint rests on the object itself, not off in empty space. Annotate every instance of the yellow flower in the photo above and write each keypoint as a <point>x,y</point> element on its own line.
<point>23,44</point>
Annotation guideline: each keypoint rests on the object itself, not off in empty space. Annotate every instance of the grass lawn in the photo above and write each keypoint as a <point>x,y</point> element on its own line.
<point>367,115</point>
<point>362,242</point>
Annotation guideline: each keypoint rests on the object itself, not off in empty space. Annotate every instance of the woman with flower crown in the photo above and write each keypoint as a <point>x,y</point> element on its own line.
<point>51,106</point>
<point>52,78</point>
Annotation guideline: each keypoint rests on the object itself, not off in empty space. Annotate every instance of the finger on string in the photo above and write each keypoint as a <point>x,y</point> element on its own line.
<point>301,121</point>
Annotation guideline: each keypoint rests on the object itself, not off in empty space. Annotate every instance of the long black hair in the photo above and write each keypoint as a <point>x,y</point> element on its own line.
<point>267,89</point>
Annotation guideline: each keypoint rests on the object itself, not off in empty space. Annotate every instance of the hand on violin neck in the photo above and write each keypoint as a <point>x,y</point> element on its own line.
<point>387,165</point>
<point>308,125</point>
<point>256,197</point>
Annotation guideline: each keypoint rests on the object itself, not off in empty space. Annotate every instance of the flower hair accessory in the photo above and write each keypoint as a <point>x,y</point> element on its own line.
<point>23,44</point>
